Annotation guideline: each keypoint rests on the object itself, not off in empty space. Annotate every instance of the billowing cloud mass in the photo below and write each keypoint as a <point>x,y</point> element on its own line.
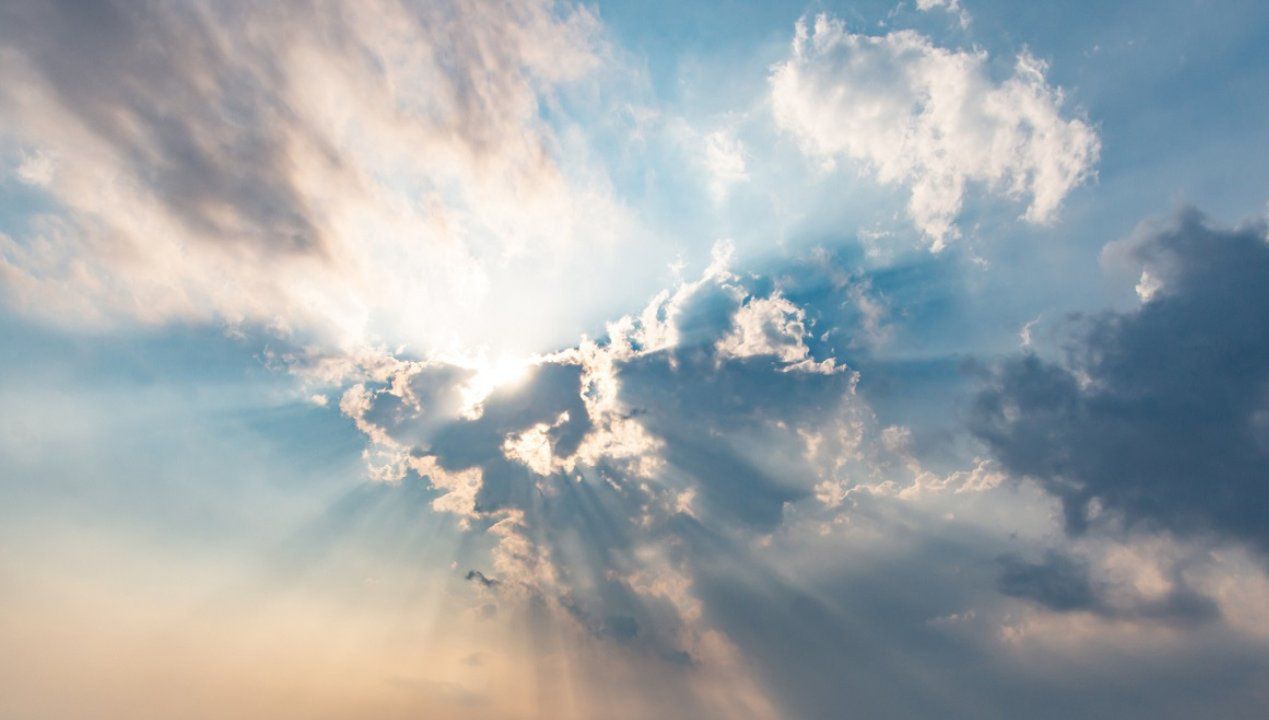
<point>712,429</point>
<point>931,119</point>
<point>494,359</point>
<point>1159,418</point>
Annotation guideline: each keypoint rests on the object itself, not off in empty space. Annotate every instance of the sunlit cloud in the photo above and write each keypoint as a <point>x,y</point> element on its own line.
<point>932,119</point>
<point>383,171</point>
<point>534,358</point>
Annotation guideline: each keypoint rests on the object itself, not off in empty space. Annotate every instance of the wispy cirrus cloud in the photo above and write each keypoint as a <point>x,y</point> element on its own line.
<point>317,170</point>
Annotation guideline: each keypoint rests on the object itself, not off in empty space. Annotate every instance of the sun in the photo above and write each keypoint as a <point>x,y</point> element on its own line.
<point>502,373</point>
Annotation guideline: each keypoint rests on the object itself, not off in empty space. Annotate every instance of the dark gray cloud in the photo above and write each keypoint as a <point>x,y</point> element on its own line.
<point>1063,583</point>
<point>1057,582</point>
<point>905,609</point>
<point>1159,413</point>
<point>480,577</point>
<point>914,633</point>
<point>700,411</point>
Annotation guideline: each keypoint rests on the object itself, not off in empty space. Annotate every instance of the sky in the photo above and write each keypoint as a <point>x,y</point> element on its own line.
<point>503,359</point>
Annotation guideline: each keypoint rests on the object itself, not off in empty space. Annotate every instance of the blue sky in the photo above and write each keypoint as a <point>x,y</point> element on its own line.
<point>701,359</point>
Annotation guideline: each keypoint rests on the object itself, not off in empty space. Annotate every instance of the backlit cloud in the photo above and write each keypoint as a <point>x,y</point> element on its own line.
<point>314,170</point>
<point>490,359</point>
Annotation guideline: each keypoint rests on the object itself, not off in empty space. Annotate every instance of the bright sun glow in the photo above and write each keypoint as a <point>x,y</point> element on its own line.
<point>502,373</point>
<point>584,359</point>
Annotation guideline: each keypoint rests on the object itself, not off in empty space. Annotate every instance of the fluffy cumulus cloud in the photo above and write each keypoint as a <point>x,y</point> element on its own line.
<point>313,169</point>
<point>709,468</point>
<point>931,119</point>
<point>799,481</point>
<point>604,410</point>
<point>776,327</point>
<point>629,427</point>
<point>1158,418</point>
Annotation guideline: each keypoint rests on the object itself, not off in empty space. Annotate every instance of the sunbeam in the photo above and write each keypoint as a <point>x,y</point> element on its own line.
<point>545,359</point>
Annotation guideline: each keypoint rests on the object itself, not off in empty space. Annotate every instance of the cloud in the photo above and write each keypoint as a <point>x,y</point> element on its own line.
<point>631,432</point>
<point>480,577</point>
<point>313,171</point>
<point>687,546</point>
<point>760,473</point>
<point>1065,584</point>
<point>1158,417</point>
<point>952,7</point>
<point>772,326</point>
<point>1056,582</point>
<point>931,119</point>
<point>725,162</point>
<point>459,489</point>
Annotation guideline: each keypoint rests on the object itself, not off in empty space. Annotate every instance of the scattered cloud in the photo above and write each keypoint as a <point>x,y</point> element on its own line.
<point>312,172</point>
<point>931,119</point>
<point>952,7</point>
<point>411,217</point>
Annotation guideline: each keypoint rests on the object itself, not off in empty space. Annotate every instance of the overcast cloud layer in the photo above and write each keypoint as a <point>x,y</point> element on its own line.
<point>536,359</point>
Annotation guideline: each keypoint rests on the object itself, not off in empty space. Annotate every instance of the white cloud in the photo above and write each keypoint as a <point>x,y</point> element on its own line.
<point>1148,286</point>
<point>772,326</point>
<point>459,488</point>
<point>725,161</point>
<point>36,170</point>
<point>767,326</point>
<point>531,448</point>
<point>951,6</point>
<point>656,327</point>
<point>931,119</point>
<point>1024,335</point>
<point>873,313</point>
<point>317,172</point>
<point>356,403</point>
